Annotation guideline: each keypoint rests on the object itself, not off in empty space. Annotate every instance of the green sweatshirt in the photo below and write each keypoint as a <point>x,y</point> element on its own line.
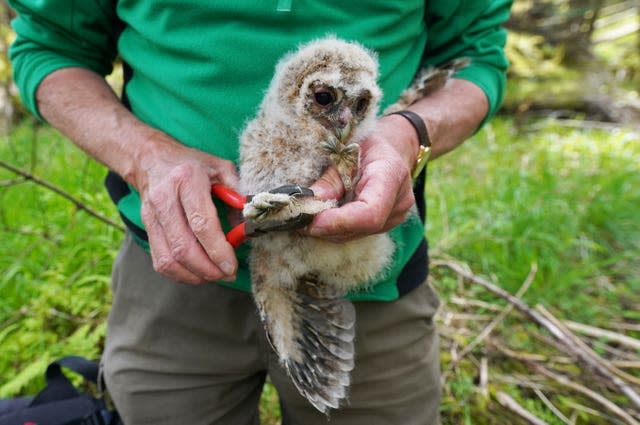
<point>198,70</point>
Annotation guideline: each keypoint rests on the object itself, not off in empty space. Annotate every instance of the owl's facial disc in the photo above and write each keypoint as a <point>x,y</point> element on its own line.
<point>336,111</point>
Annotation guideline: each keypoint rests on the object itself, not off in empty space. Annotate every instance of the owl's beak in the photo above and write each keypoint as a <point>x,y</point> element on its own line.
<point>343,127</point>
<point>343,132</point>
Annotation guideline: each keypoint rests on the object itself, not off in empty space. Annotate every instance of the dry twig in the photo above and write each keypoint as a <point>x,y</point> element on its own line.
<point>603,333</point>
<point>491,326</point>
<point>593,359</point>
<point>78,203</point>
<point>461,301</point>
<point>609,405</point>
<point>551,406</point>
<point>580,408</point>
<point>565,338</point>
<point>507,401</point>
<point>484,376</point>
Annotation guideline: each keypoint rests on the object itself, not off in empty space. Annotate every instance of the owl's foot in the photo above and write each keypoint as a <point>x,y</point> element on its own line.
<point>285,208</point>
<point>265,204</point>
<point>345,159</point>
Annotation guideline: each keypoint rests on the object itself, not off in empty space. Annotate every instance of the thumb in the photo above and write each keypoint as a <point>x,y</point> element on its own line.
<point>329,185</point>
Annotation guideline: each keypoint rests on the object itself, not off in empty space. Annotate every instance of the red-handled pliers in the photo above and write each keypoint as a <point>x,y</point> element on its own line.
<point>250,228</point>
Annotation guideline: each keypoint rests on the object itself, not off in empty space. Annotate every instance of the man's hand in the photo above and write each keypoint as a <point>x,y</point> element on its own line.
<point>186,241</point>
<point>384,193</point>
<point>185,237</point>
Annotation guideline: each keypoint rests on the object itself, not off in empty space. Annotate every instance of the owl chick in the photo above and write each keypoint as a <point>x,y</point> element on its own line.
<point>321,102</point>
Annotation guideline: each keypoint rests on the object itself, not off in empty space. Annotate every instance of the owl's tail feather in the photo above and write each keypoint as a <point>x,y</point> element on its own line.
<point>325,324</point>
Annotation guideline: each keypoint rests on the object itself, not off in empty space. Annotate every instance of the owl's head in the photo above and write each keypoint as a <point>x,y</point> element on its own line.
<point>332,83</point>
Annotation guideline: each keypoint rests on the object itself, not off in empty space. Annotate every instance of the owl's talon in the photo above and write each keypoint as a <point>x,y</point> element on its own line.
<point>331,146</point>
<point>351,149</point>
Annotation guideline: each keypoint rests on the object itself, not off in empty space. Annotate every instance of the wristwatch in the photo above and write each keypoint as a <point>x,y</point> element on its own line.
<point>423,137</point>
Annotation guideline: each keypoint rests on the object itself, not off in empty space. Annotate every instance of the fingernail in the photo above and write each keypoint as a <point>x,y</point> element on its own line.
<point>227,268</point>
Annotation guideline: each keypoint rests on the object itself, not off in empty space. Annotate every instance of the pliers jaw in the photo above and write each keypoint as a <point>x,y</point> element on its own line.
<point>256,228</point>
<point>251,228</point>
<point>293,190</point>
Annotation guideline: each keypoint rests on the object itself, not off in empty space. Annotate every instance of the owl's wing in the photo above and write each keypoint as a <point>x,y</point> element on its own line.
<point>426,82</point>
<point>326,328</point>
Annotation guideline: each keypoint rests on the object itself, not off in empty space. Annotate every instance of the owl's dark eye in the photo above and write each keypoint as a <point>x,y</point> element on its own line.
<point>324,98</point>
<point>362,105</point>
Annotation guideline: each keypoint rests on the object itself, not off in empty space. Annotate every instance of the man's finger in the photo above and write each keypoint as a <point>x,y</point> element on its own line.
<point>329,185</point>
<point>169,213</point>
<point>161,256</point>
<point>203,221</point>
<point>353,218</point>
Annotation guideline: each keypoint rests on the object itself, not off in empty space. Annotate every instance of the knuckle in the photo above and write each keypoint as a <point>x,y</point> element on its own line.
<point>227,166</point>
<point>377,219</point>
<point>199,222</point>
<point>398,219</point>
<point>213,252</point>
<point>163,264</point>
<point>181,173</point>
<point>179,249</point>
<point>404,204</point>
<point>156,197</point>
<point>147,215</point>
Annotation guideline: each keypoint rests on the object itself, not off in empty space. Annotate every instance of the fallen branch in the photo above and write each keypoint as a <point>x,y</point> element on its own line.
<point>491,326</point>
<point>78,203</point>
<point>484,376</point>
<point>603,333</point>
<point>464,302</point>
<point>609,405</point>
<point>531,357</point>
<point>507,401</point>
<point>523,381</point>
<point>580,408</point>
<point>583,348</point>
<point>628,364</point>
<point>634,327</point>
<point>551,406</point>
<point>613,351</point>
<point>564,337</point>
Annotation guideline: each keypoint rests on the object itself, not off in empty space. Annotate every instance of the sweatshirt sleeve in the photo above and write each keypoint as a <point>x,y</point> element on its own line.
<point>55,34</point>
<point>471,29</point>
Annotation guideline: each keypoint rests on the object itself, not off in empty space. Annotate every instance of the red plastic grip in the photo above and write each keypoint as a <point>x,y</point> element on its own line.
<point>237,235</point>
<point>229,196</point>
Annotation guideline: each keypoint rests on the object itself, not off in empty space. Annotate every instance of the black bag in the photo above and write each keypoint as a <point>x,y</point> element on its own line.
<point>60,403</point>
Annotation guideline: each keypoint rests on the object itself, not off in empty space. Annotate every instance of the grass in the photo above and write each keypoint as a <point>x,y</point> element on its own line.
<point>56,260</point>
<point>565,198</point>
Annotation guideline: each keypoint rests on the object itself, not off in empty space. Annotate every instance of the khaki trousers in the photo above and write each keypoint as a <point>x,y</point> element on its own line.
<point>191,355</point>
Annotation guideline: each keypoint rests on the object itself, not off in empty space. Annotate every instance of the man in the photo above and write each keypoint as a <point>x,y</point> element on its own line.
<point>194,73</point>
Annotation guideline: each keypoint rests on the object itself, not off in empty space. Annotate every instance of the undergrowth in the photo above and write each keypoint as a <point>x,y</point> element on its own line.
<point>55,259</point>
